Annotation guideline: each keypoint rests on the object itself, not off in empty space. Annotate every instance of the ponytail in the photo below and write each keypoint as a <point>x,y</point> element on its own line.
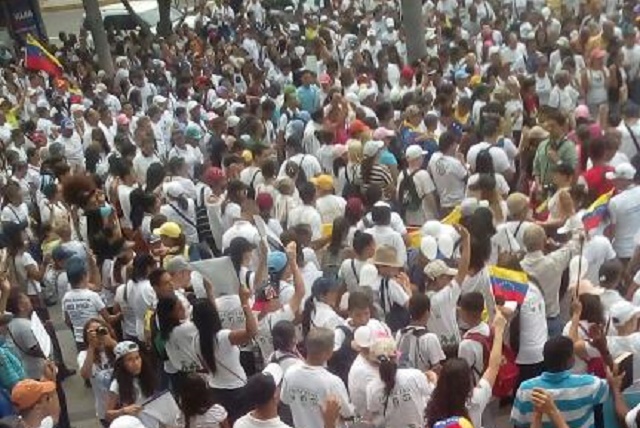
<point>309,308</point>
<point>388,370</point>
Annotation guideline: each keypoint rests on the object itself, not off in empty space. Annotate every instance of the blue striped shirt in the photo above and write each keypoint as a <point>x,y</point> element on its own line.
<point>574,395</point>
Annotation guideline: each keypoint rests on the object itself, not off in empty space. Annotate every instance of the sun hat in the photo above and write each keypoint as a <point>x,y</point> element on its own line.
<point>386,255</point>
<point>437,268</point>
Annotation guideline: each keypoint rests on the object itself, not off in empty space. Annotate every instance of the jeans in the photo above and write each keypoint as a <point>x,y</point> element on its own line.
<point>554,327</point>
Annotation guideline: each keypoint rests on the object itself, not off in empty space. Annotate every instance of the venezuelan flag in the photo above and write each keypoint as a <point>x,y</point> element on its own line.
<point>38,58</point>
<point>509,284</point>
<point>454,422</point>
<point>597,212</point>
<point>453,217</point>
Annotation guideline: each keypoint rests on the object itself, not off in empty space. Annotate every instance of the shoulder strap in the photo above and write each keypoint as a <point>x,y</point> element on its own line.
<point>181,214</point>
<point>633,137</point>
<point>203,202</point>
<point>353,268</point>
<point>253,179</point>
<point>247,277</point>
<point>485,342</point>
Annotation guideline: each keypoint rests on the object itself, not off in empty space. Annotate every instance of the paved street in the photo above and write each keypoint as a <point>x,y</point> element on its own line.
<point>67,20</point>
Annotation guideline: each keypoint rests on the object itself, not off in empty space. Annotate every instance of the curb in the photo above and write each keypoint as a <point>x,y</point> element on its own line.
<point>72,5</point>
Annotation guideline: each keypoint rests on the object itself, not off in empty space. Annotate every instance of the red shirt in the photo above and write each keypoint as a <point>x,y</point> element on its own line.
<point>596,180</point>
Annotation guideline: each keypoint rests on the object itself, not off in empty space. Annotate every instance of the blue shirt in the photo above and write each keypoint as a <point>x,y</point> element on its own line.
<point>11,369</point>
<point>574,395</point>
<point>308,98</point>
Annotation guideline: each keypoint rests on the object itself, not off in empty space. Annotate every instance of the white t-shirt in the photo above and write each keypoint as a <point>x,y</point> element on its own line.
<point>128,314</point>
<point>424,349</point>
<point>471,350</point>
<point>533,327</point>
<point>627,145</point>
<point>101,375</point>
<point>181,348</point>
<point>443,321</point>
<point>305,388</point>
<point>501,163</point>
<point>624,212</point>
<point>81,305</point>
<point>349,272</point>
<point>597,250</point>
<point>385,235</point>
<point>424,186</point>
<point>185,218</point>
<point>22,262</point>
<point>479,399</point>
<point>362,372</point>
<point>142,298</point>
<point>147,421</point>
<point>229,373</point>
<point>449,175</point>
<point>330,207</point>
<point>306,214</point>
<point>248,421</point>
<point>212,418</point>
<point>394,293</point>
<point>404,407</point>
<point>263,338</point>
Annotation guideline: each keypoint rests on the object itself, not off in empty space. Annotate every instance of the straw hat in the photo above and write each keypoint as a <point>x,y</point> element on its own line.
<point>386,255</point>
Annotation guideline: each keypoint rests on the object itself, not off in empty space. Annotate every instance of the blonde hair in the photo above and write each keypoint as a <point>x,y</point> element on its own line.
<point>354,150</point>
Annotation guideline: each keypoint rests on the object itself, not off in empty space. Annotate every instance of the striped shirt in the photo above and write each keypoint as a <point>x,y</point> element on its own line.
<point>574,395</point>
<point>379,175</point>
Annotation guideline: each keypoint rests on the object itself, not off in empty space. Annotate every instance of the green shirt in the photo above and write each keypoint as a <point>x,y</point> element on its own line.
<point>543,167</point>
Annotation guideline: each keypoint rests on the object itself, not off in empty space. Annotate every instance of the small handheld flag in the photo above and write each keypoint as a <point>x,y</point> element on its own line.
<point>597,212</point>
<point>39,59</point>
<point>508,284</point>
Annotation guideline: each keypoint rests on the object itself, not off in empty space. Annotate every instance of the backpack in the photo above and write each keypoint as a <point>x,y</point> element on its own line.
<point>157,342</point>
<point>635,160</point>
<point>508,373</point>
<point>202,221</point>
<point>340,362</point>
<point>396,317</point>
<point>50,290</point>
<point>409,348</point>
<point>350,189</point>
<point>408,193</point>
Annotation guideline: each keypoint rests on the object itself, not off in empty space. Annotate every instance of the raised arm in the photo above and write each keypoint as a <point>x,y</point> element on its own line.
<point>495,357</point>
<point>465,246</point>
<point>298,281</point>
<point>240,337</point>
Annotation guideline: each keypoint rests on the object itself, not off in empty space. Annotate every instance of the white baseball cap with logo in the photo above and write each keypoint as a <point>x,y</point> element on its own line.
<point>624,171</point>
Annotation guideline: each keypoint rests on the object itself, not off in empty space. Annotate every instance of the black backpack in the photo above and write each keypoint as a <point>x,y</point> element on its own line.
<point>251,190</point>
<point>340,362</point>
<point>396,317</point>
<point>408,193</point>
<point>350,189</point>
<point>202,222</point>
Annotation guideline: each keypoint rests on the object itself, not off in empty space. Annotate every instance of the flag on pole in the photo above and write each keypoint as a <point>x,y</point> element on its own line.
<point>597,212</point>
<point>38,58</point>
<point>509,284</point>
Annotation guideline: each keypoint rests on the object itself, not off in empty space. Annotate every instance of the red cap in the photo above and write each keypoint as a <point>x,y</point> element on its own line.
<point>264,201</point>
<point>407,72</point>
<point>354,207</point>
<point>357,127</point>
<point>213,174</point>
<point>203,81</point>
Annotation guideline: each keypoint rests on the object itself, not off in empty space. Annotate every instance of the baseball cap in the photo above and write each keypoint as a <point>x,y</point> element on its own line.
<point>323,182</point>
<point>68,124</point>
<point>61,253</point>
<point>193,131</point>
<point>101,87</point>
<point>191,105</point>
<point>125,348</point>
<point>75,108</point>
<point>389,22</point>
<point>219,103</point>
<point>122,119</point>
<point>622,311</point>
<point>407,72</point>
<point>372,147</point>
<point>213,174</point>
<point>264,201</point>
<point>382,133</point>
<point>371,32</point>
<point>168,229</point>
<point>581,112</point>
<point>261,388</point>
<point>461,74</point>
<point>276,261</point>
<point>159,99</point>
<point>414,151</point>
<point>75,268</point>
<point>26,393</point>
<point>437,268</point>
<point>177,264</point>
<point>357,126</point>
<point>126,421</point>
<point>624,171</point>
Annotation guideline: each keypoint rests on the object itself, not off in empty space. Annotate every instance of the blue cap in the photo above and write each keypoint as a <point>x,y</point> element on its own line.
<point>68,124</point>
<point>61,253</point>
<point>76,269</point>
<point>276,261</point>
<point>322,286</point>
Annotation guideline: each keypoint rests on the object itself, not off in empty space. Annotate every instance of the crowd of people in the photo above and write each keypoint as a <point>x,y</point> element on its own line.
<point>443,242</point>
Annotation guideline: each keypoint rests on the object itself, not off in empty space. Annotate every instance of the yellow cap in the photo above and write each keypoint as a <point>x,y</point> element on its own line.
<point>323,182</point>
<point>169,229</point>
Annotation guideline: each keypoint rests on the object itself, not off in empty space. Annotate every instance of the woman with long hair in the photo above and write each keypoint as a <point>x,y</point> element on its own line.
<point>156,175</point>
<point>399,396</point>
<point>455,394</point>
<point>319,309</point>
<point>198,404</point>
<point>349,178</point>
<point>134,381</point>
<point>231,206</point>
<point>484,165</point>
<point>337,248</point>
<point>219,353</point>
<point>485,189</point>
<point>241,253</point>
<point>560,204</point>
<point>96,363</point>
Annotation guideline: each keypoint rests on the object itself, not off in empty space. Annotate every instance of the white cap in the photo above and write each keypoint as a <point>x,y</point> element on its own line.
<point>275,371</point>
<point>233,121</point>
<point>372,147</point>
<point>414,151</point>
<point>126,421</point>
<point>623,311</point>
<point>101,87</point>
<point>371,32</point>
<point>429,247</point>
<point>546,12</point>
<point>191,105</point>
<point>42,103</point>
<point>363,337</point>
<point>624,171</point>
<point>219,103</point>
<point>76,108</point>
<point>437,268</point>
<point>389,22</point>
<point>159,99</point>
<point>573,224</point>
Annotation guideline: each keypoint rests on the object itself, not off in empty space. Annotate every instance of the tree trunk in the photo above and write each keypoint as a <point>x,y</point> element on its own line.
<point>144,27</point>
<point>413,24</point>
<point>164,25</point>
<point>96,26</point>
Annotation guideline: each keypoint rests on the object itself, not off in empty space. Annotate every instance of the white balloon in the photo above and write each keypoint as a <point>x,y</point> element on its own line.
<point>432,228</point>
<point>429,247</point>
<point>445,244</point>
